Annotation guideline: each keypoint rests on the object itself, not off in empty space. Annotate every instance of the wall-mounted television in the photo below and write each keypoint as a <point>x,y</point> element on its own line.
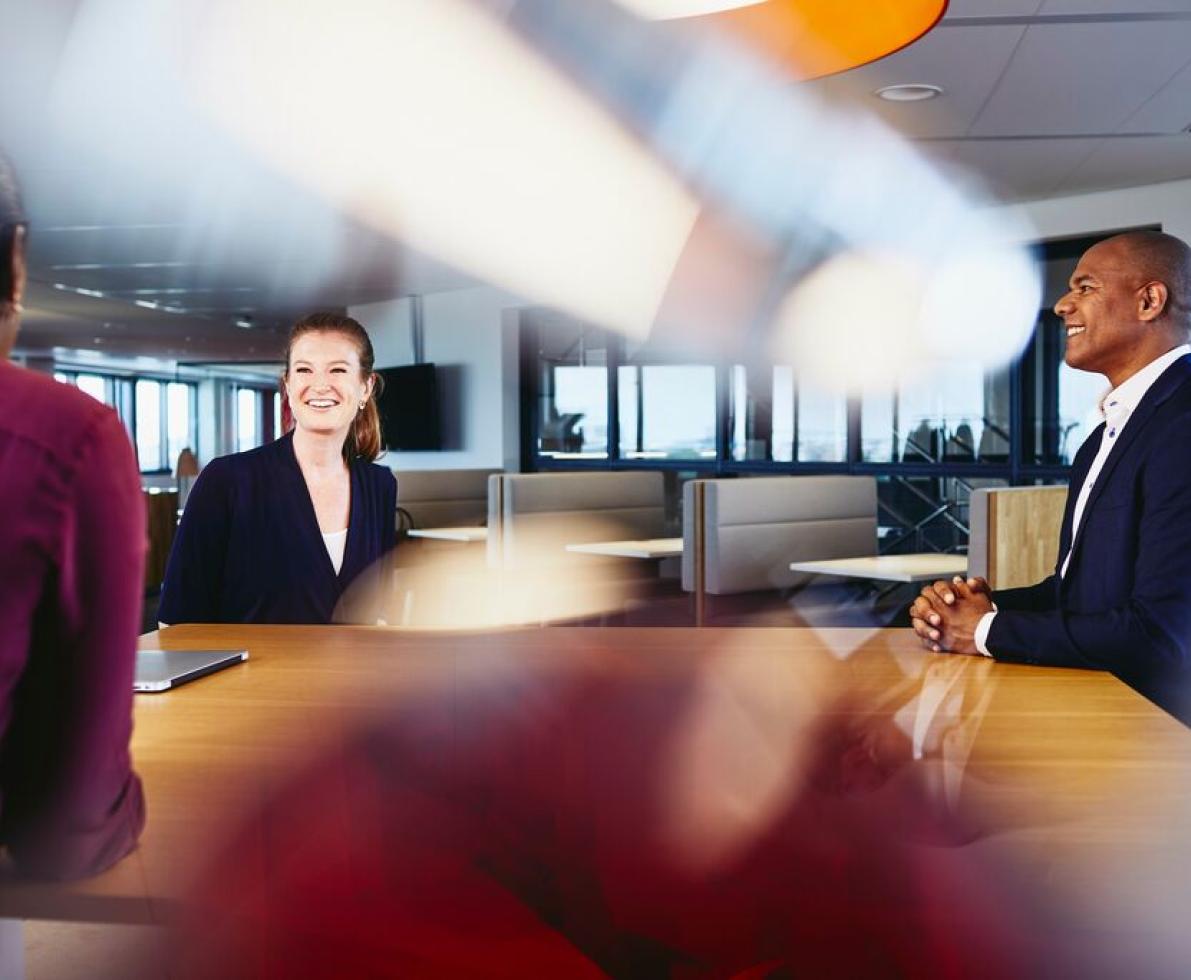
<point>409,408</point>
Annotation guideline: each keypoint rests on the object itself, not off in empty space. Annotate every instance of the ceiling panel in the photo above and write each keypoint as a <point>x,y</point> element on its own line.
<point>1124,7</point>
<point>992,8</point>
<point>1019,169</point>
<point>1168,111</point>
<point>965,62</point>
<point>1132,162</point>
<point>1083,78</point>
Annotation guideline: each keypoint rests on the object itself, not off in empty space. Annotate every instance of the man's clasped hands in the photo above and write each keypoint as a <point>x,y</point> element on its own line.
<point>945,614</point>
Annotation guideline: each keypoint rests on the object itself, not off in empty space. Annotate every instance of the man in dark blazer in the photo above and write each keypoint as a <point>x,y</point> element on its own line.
<point>1120,596</point>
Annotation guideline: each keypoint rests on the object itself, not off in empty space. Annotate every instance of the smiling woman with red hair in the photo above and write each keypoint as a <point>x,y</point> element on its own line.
<point>277,534</point>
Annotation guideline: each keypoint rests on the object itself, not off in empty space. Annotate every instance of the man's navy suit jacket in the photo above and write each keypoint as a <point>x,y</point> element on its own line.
<point>1125,603</point>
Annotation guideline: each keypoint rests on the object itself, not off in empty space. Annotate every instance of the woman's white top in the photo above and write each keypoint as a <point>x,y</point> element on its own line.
<point>336,541</point>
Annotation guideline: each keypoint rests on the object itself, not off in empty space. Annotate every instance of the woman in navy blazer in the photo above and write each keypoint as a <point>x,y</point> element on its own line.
<point>277,534</point>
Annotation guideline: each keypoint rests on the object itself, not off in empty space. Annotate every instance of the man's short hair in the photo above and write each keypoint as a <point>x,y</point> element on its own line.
<point>1167,259</point>
<point>11,210</point>
<point>12,213</point>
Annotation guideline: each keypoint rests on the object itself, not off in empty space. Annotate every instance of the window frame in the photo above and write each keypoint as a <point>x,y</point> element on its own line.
<point>1017,469</point>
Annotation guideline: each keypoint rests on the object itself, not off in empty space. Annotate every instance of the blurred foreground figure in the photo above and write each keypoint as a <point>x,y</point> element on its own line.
<point>71,583</point>
<point>1120,596</point>
<point>589,813</point>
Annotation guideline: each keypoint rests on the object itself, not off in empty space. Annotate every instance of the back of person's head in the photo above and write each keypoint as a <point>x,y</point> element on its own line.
<point>12,217</point>
<point>364,438</point>
<point>1162,257</point>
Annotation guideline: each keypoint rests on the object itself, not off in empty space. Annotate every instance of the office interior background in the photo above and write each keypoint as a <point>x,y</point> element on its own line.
<point>170,250</point>
<point>166,290</point>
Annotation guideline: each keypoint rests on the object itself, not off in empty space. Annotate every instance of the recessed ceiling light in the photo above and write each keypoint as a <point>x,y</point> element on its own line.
<point>909,93</point>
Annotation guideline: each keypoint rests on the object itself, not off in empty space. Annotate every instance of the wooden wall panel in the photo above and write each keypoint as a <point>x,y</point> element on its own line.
<point>1015,534</point>
<point>162,511</point>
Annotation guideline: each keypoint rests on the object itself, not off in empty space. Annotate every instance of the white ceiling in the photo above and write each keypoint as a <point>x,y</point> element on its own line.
<point>1047,97</point>
<point>1041,98</point>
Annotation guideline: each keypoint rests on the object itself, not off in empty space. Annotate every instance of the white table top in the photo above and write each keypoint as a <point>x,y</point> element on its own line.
<point>647,548</point>
<point>468,534</point>
<point>890,568</point>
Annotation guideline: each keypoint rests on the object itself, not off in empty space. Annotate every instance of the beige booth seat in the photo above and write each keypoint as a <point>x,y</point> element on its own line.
<point>753,528</point>
<point>532,517</point>
<point>444,498</point>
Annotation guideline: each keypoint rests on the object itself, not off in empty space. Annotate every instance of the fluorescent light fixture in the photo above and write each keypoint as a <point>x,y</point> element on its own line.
<point>441,128</point>
<point>673,9</point>
<point>915,92</point>
<point>79,290</point>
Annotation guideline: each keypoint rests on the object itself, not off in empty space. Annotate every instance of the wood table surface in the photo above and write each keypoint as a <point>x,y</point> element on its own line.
<point>1077,783</point>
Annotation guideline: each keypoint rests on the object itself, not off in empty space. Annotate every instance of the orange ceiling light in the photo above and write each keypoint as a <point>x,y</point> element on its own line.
<point>812,38</point>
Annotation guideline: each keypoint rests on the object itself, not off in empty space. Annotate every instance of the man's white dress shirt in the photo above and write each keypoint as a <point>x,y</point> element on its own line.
<point>1116,408</point>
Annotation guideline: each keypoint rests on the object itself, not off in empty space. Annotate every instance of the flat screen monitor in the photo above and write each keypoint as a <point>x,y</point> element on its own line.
<point>409,412</point>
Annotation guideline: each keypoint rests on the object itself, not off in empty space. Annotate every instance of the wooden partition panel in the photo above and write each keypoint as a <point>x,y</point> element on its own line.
<point>1015,534</point>
<point>162,512</point>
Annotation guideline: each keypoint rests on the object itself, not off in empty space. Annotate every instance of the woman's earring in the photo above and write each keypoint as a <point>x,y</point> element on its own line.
<point>362,404</point>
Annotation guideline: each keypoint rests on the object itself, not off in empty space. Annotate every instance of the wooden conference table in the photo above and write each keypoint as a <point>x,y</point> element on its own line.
<point>1079,788</point>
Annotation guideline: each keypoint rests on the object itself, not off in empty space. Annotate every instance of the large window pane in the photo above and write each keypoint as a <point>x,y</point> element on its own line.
<point>957,414</point>
<point>179,421</point>
<point>572,388</point>
<point>667,411</point>
<point>1059,403</point>
<point>148,425</point>
<point>93,385</point>
<point>1079,399</point>
<point>774,417</point>
<point>247,419</point>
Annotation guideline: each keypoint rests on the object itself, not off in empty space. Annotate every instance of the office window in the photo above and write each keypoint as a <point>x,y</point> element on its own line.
<point>248,419</point>
<point>180,428</point>
<point>774,417</point>
<point>572,361</point>
<point>94,385</point>
<point>1060,404</point>
<point>957,414</point>
<point>149,443</point>
<point>1079,414</point>
<point>277,431</point>
<point>667,411</point>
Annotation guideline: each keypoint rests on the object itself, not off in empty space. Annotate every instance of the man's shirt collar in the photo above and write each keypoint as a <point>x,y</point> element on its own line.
<point>1118,404</point>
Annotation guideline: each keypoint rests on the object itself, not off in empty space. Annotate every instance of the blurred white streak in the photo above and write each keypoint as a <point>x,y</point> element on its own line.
<point>526,579</point>
<point>923,267</point>
<point>430,121</point>
<point>670,9</point>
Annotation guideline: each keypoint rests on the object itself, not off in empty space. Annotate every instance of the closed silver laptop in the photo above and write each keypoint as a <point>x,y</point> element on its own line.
<point>160,670</point>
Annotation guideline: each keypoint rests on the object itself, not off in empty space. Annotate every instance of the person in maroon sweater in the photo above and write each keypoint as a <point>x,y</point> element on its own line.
<point>73,540</point>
